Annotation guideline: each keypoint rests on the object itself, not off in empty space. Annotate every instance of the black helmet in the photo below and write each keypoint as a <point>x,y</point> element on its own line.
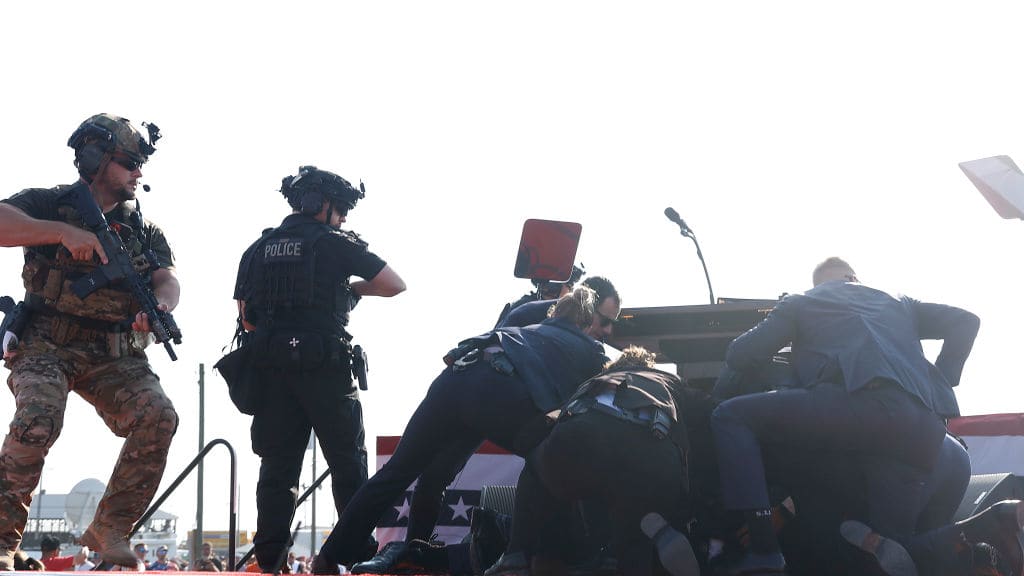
<point>104,134</point>
<point>308,190</point>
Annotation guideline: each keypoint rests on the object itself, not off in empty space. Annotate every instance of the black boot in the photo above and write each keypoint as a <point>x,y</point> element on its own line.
<point>999,525</point>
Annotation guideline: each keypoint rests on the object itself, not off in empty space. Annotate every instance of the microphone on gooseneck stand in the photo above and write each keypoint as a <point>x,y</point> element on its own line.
<point>672,215</point>
<point>685,230</point>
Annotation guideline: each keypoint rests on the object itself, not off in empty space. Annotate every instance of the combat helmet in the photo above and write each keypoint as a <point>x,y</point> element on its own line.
<point>102,135</point>
<point>307,191</point>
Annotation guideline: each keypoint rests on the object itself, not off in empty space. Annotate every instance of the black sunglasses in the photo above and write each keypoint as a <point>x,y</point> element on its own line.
<point>126,162</point>
<point>605,320</point>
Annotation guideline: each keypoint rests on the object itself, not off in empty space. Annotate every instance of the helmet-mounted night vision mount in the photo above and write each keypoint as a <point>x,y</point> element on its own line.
<point>311,187</point>
<point>102,135</point>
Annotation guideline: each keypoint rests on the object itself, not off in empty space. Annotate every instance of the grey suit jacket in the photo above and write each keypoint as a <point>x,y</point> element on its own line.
<point>850,334</point>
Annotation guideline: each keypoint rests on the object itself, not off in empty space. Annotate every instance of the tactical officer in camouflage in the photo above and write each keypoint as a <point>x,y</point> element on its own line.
<point>94,346</point>
<point>294,297</point>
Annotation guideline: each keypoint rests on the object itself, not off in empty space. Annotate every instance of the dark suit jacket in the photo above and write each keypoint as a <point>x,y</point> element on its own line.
<point>848,333</point>
<point>529,313</point>
<point>552,358</point>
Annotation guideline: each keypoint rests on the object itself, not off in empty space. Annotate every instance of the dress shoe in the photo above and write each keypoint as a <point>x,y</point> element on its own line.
<point>999,525</point>
<point>892,557</point>
<point>112,547</point>
<point>510,564</point>
<point>673,548</point>
<point>412,557</point>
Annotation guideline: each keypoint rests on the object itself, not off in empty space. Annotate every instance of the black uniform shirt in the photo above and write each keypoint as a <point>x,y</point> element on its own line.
<point>338,254</point>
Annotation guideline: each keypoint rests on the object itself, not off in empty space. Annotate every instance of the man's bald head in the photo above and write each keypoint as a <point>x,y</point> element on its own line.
<point>834,268</point>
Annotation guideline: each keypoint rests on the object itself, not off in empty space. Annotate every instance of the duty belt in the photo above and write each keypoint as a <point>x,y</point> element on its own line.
<point>657,421</point>
<point>494,356</point>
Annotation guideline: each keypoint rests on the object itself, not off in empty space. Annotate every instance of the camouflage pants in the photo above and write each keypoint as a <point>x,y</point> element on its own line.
<point>125,393</point>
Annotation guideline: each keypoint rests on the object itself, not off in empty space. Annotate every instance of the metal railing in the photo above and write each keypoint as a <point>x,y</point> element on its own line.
<point>233,503</point>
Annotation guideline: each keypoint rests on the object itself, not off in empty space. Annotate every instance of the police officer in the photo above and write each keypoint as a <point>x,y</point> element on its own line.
<point>93,345</point>
<point>617,441</point>
<point>294,297</point>
<point>428,493</point>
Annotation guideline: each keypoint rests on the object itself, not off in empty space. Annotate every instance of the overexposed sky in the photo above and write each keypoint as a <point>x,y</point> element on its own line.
<point>782,132</point>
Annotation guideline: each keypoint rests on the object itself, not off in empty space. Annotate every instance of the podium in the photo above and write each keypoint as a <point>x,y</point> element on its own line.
<point>694,338</point>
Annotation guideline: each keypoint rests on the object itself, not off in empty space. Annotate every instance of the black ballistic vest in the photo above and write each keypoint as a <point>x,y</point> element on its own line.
<point>287,288</point>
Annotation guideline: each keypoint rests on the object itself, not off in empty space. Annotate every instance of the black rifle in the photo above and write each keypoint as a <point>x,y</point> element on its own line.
<point>119,268</point>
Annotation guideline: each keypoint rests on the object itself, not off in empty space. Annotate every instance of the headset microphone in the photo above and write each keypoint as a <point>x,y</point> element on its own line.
<point>146,188</point>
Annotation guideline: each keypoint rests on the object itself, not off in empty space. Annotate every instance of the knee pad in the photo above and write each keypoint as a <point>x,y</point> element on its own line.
<point>36,429</point>
<point>160,415</point>
<point>169,420</point>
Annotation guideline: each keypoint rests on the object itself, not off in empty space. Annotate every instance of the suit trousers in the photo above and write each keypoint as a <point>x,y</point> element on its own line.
<point>883,423</point>
<point>461,410</point>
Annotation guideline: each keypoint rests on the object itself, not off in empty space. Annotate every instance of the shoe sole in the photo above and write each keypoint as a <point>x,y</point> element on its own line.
<point>673,548</point>
<point>891,555</point>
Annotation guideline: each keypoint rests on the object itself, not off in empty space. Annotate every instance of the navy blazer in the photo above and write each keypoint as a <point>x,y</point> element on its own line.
<point>850,334</point>
<point>529,313</point>
<point>552,359</point>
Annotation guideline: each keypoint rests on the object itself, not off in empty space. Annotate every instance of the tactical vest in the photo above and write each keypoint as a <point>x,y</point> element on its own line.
<point>287,290</point>
<point>642,397</point>
<point>50,270</point>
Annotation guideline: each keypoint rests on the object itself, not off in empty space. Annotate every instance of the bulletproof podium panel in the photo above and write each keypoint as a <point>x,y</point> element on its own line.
<point>985,490</point>
<point>547,250</point>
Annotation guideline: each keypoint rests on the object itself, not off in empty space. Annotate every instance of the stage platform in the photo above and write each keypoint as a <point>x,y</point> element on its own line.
<point>122,573</point>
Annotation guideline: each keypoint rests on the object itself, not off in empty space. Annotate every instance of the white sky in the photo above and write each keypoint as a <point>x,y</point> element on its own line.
<point>783,133</point>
